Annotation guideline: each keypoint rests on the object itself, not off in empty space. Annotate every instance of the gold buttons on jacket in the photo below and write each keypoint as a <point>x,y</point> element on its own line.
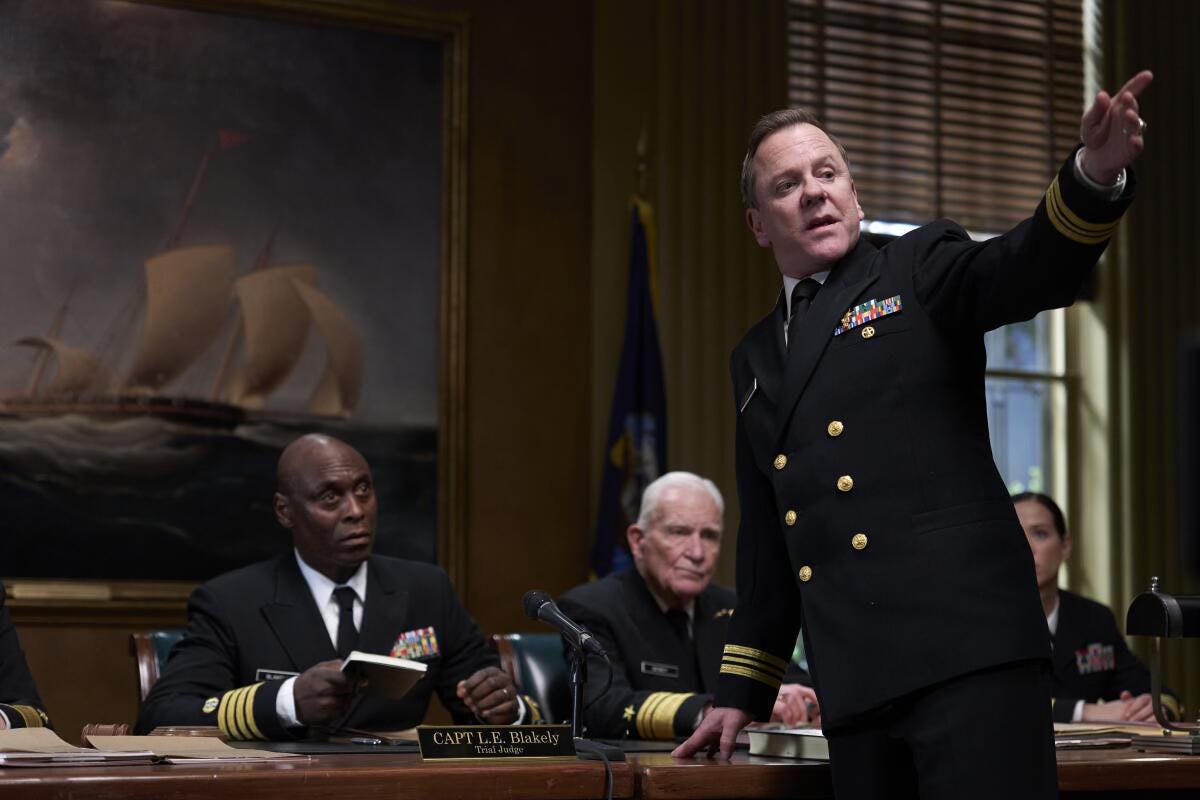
<point>845,483</point>
<point>789,518</point>
<point>868,332</point>
<point>805,573</point>
<point>835,428</point>
<point>780,461</point>
<point>859,541</point>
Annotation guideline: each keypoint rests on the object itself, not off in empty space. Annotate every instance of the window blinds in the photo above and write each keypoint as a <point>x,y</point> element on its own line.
<point>947,108</point>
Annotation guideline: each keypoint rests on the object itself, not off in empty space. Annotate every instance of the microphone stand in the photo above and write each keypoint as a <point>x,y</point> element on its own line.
<point>578,679</point>
<point>585,749</point>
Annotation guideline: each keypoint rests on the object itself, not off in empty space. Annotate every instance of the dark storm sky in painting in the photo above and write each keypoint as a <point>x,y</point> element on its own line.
<point>108,108</point>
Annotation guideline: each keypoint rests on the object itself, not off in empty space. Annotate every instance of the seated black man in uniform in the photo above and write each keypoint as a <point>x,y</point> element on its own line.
<point>262,651</point>
<point>20,706</point>
<point>663,623</point>
<point>1096,677</point>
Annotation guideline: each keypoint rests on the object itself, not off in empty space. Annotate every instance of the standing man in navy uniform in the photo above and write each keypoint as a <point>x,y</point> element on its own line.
<point>872,510</point>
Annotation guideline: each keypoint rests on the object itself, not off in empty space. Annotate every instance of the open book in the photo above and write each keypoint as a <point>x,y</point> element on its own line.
<point>386,676</point>
<point>789,743</point>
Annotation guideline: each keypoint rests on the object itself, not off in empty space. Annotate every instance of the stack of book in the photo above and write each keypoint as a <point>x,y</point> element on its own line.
<point>789,743</point>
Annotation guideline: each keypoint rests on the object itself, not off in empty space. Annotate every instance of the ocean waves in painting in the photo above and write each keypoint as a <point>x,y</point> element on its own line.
<point>145,498</point>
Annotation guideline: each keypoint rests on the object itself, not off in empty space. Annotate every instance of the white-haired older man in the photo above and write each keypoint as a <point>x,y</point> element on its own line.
<point>663,623</point>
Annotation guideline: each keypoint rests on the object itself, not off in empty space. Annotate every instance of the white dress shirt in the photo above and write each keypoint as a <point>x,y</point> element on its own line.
<point>322,593</point>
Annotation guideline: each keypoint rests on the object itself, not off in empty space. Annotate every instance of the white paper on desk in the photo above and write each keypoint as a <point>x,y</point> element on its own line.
<point>35,740</point>
<point>183,747</point>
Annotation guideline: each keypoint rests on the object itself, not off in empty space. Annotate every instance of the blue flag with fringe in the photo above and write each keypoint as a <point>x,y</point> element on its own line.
<point>635,451</point>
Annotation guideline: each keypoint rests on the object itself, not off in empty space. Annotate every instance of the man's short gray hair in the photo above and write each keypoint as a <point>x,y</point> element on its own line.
<point>771,123</point>
<point>675,480</point>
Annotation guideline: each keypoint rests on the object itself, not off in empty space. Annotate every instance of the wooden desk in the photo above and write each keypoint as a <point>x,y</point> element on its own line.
<point>365,777</point>
<point>1108,774</point>
<point>1082,775</point>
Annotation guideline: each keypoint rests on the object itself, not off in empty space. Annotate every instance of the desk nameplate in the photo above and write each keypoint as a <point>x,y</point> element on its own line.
<point>492,742</point>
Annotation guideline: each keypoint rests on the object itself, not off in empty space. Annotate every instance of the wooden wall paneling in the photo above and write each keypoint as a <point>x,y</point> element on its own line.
<point>720,66</point>
<point>698,75</point>
<point>78,653</point>
<point>1160,301</point>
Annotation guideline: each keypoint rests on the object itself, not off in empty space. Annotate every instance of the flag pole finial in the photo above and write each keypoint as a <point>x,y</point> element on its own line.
<point>640,164</point>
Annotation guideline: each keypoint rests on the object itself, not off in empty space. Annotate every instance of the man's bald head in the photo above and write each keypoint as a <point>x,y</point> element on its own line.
<point>325,497</point>
<point>301,453</point>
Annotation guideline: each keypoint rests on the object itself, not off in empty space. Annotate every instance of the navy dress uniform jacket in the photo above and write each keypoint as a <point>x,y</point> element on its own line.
<point>250,628</point>
<point>1092,661</point>
<point>18,694</point>
<point>655,692</point>
<point>872,509</point>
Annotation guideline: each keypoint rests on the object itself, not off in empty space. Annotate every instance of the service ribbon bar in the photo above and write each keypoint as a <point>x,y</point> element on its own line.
<point>872,309</point>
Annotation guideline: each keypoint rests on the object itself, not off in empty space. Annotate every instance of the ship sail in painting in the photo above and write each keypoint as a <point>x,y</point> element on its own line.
<point>188,296</point>
<point>151,450</point>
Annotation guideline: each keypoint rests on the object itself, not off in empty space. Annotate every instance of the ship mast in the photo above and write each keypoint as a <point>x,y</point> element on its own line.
<point>264,258</point>
<point>39,360</point>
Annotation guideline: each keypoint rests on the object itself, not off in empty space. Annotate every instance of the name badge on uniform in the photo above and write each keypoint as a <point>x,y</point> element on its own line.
<point>273,675</point>
<point>1096,657</point>
<point>749,394</point>
<point>660,670</point>
<point>416,644</point>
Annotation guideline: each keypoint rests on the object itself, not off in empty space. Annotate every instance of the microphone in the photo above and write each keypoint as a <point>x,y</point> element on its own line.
<point>539,605</point>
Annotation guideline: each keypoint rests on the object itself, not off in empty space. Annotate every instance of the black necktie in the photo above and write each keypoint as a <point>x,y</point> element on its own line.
<point>347,634</point>
<point>802,295</point>
<point>689,672</point>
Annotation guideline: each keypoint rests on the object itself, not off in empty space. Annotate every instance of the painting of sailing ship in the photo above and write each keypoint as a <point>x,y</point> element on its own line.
<point>209,247</point>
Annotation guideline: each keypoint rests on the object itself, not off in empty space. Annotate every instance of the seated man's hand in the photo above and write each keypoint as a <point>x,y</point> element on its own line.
<point>718,732</point>
<point>323,693</point>
<point>491,696</point>
<point>1125,709</point>
<point>1138,709</point>
<point>796,705</point>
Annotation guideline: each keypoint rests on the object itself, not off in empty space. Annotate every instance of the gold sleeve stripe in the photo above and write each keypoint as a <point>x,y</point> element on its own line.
<point>760,655</point>
<point>645,713</point>
<point>254,730</point>
<point>1070,224</point>
<point>747,672</point>
<point>225,714</point>
<point>239,713</point>
<point>1172,705</point>
<point>753,664</point>
<point>236,713</point>
<point>656,717</point>
<point>33,718</point>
